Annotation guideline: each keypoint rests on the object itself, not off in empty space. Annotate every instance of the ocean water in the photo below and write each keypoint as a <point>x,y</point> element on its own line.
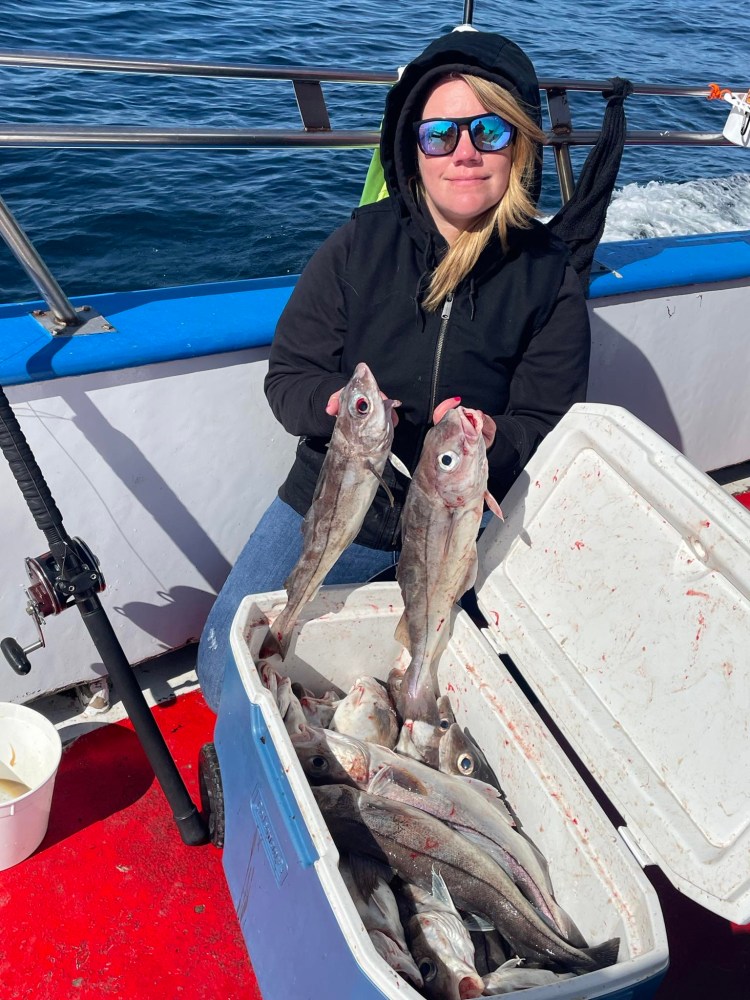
<point>125,219</point>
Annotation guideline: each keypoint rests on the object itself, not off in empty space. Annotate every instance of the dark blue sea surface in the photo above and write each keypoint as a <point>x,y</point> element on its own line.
<point>124,219</point>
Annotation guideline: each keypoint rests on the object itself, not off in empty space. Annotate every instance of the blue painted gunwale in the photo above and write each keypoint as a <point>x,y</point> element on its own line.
<point>192,321</point>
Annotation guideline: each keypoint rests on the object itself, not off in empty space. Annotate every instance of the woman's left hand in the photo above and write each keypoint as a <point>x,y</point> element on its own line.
<point>489,427</point>
<point>332,406</point>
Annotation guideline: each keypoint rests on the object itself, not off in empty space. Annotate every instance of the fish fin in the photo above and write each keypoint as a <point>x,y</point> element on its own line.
<point>399,465</point>
<point>473,922</point>
<point>471,575</point>
<point>471,570</point>
<point>390,775</point>
<point>402,632</point>
<point>375,783</point>
<point>448,540</point>
<point>367,872</point>
<point>382,482</point>
<point>604,954</point>
<point>490,794</point>
<point>440,890</point>
<point>493,505</point>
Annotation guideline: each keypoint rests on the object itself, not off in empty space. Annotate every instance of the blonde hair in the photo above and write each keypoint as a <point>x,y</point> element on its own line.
<point>515,209</point>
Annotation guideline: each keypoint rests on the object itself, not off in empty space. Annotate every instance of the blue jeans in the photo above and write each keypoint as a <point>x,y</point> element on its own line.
<point>264,564</point>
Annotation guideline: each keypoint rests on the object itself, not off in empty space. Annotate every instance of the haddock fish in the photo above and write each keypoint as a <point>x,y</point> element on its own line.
<point>350,476</point>
<point>378,911</point>
<point>440,943</point>
<point>367,713</point>
<point>472,808</point>
<point>438,562</point>
<point>413,843</point>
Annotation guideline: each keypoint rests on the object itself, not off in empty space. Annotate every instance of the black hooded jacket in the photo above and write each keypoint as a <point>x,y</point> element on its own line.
<point>516,342</point>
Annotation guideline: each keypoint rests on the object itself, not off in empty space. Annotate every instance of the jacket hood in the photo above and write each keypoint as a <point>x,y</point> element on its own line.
<point>479,53</point>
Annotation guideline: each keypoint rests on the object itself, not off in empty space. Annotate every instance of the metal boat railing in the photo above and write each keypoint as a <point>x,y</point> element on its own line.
<point>316,132</point>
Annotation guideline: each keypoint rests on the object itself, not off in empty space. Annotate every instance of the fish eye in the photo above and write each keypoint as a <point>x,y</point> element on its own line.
<point>359,405</point>
<point>465,763</point>
<point>448,460</point>
<point>427,969</point>
<point>319,763</point>
<point>445,724</point>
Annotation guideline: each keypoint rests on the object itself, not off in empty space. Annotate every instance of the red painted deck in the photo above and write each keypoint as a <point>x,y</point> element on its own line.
<point>113,904</point>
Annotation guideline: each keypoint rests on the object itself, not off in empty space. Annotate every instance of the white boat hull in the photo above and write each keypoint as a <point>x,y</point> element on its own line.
<point>163,471</point>
<point>678,359</point>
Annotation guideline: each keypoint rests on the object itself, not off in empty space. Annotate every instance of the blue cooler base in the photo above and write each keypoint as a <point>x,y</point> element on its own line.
<point>292,936</point>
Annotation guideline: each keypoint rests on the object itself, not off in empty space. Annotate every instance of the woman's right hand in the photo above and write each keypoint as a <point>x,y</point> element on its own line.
<point>489,427</point>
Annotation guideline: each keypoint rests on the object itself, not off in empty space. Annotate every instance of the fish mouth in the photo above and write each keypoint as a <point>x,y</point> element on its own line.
<point>363,379</point>
<point>470,987</point>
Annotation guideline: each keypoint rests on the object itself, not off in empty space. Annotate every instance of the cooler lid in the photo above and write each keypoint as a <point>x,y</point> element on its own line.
<point>619,584</point>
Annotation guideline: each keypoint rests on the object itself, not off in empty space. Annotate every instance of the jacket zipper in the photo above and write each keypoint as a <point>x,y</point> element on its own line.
<point>444,318</point>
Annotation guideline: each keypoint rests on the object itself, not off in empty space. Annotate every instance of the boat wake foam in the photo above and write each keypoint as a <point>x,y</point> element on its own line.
<point>656,209</point>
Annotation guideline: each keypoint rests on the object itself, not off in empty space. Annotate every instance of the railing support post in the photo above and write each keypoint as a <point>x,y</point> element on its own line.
<point>26,254</point>
<point>562,125</point>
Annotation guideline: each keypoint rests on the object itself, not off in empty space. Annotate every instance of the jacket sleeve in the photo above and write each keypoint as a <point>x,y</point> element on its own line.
<point>304,367</point>
<point>550,377</point>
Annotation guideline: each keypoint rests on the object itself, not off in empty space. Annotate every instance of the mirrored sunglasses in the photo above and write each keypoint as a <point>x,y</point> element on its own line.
<point>439,136</point>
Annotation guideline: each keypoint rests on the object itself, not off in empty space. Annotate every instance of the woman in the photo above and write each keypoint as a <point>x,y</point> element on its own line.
<point>449,289</point>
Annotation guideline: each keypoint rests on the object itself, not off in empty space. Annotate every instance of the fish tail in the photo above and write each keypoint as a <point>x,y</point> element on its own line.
<point>281,630</point>
<point>603,955</point>
<point>566,926</point>
<point>298,594</point>
<point>417,699</point>
<point>270,647</point>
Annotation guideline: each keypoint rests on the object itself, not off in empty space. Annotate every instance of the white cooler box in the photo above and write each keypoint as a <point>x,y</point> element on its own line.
<point>618,585</point>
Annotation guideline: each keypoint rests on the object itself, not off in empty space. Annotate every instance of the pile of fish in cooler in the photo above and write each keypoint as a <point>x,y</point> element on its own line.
<point>454,896</point>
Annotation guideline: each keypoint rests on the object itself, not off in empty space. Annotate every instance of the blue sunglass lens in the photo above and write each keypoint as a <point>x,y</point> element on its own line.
<point>439,137</point>
<point>490,132</point>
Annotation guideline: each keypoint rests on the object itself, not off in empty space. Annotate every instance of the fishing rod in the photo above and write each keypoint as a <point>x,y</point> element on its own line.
<point>69,575</point>
<point>468,11</point>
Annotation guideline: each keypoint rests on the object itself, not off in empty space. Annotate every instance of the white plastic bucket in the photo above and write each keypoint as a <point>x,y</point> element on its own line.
<point>31,747</point>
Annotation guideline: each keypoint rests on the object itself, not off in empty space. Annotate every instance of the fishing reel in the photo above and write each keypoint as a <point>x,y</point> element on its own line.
<point>53,588</point>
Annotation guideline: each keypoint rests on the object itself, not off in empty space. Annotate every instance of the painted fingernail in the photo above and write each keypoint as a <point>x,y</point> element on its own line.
<point>457,399</point>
